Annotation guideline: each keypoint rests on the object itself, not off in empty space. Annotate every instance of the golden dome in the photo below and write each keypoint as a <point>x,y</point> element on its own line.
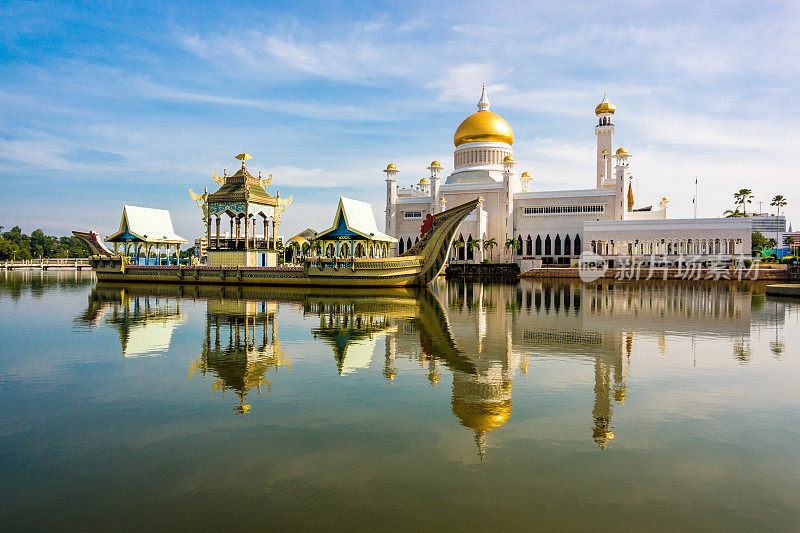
<point>298,239</point>
<point>424,181</point>
<point>483,126</point>
<point>391,166</point>
<point>604,107</point>
<point>435,164</point>
<point>482,416</point>
<point>622,151</point>
<point>525,175</point>
<point>508,159</point>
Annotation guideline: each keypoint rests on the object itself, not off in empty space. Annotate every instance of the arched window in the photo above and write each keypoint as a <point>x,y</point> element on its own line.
<point>360,250</point>
<point>416,240</point>
<point>547,245</point>
<point>330,250</point>
<point>558,245</point>
<point>520,249</point>
<point>470,251</point>
<point>529,246</point>
<point>538,245</point>
<point>577,245</point>
<point>408,244</point>
<point>401,246</point>
<point>567,246</point>
<point>344,250</point>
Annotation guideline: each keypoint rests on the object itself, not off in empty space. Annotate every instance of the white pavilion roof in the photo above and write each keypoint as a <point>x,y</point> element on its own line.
<point>148,224</point>
<point>359,218</point>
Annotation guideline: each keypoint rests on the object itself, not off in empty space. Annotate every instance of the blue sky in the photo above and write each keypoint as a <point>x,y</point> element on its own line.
<point>108,103</point>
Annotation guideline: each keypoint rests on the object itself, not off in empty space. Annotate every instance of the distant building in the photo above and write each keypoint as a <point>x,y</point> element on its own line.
<point>766,224</point>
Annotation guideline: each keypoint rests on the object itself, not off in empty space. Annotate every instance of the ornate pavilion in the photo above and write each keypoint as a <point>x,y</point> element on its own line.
<point>143,229</point>
<point>354,233</point>
<point>250,210</point>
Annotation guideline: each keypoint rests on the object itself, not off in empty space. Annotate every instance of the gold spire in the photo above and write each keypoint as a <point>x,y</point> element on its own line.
<point>604,107</point>
<point>483,126</point>
<point>244,156</point>
<point>630,197</point>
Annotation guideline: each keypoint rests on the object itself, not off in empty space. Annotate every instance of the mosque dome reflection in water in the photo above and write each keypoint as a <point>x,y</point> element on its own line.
<point>479,339</point>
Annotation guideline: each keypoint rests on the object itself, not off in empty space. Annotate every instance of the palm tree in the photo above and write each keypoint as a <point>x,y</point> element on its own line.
<point>490,245</point>
<point>294,246</point>
<point>778,202</point>
<point>316,246</point>
<point>729,213</point>
<point>512,243</point>
<point>471,245</point>
<point>743,197</point>
<point>458,245</point>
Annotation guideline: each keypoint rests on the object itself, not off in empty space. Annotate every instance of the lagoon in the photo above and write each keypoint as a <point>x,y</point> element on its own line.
<point>545,403</point>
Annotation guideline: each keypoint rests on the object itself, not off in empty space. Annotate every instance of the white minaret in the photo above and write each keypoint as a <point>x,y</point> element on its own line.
<point>391,197</point>
<point>621,174</point>
<point>604,131</point>
<point>435,169</point>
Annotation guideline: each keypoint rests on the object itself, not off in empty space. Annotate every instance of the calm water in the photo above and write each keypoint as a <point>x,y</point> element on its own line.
<point>654,405</point>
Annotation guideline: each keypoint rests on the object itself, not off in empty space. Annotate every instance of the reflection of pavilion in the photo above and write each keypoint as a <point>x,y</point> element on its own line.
<point>240,347</point>
<point>352,332</point>
<point>144,322</point>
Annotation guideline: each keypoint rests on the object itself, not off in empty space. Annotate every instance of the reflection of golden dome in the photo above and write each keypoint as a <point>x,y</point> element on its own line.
<point>604,107</point>
<point>483,126</point>
<point>622,151</point>
<point>482,416</point>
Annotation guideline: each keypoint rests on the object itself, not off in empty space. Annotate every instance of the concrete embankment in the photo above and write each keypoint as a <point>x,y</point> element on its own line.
<point>661,273</point>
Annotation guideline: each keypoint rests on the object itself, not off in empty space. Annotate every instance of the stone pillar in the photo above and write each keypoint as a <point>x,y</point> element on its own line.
<point>274,238</point>
<point>218,221</point>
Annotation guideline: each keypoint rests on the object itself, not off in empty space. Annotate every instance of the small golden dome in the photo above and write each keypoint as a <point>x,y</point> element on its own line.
<point>298,239</point>
<point>391,166</point>
<point>424,181</point>
<point>435,164</point>
<point>508,159</point>
<point>622,151</point>
<point>483,126</point>
<point>482,416</point>
<point>525,175</point>
<point>604,107</point>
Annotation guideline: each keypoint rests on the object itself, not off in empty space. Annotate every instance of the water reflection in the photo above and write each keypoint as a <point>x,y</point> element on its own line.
<point>481,334</point>
<point>241,346</point>
<point>144,322</point>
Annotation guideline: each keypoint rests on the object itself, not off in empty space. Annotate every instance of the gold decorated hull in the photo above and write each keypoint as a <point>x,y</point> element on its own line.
<point>416,268</point>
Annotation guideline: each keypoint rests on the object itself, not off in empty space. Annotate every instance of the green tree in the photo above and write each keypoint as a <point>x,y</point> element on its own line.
<point>730,213</point>
<point>778,202</point>
<point>742,198</point>
<point>511,242</point>
<point>458,245</point>
<point>490,244</point>
<point>759,241</point>
<point>472,245</point>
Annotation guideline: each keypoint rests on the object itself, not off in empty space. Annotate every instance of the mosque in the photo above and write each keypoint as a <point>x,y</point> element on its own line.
<point>550,227</point>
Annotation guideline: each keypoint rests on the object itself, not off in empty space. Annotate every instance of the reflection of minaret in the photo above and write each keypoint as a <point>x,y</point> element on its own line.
<point>390,365</point>
<point>481,403</point>
<point>604,365</point>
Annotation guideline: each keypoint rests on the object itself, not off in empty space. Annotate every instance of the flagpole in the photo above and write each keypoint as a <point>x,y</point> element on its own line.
<point>695,197</point>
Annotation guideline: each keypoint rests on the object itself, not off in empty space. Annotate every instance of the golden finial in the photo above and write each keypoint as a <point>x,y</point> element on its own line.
<point>244,156</point>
